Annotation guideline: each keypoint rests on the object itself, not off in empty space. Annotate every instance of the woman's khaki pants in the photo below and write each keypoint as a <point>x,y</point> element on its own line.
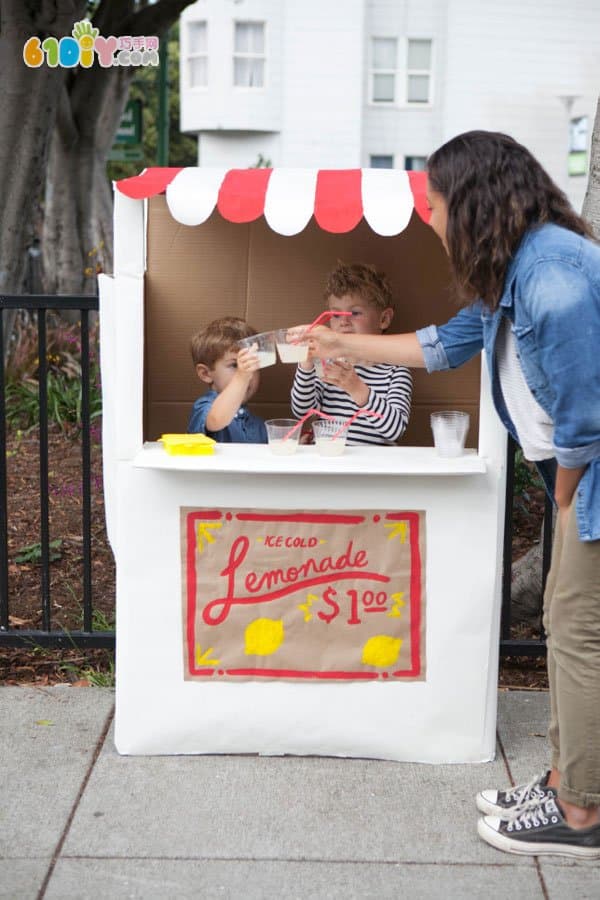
<point>572,623</point>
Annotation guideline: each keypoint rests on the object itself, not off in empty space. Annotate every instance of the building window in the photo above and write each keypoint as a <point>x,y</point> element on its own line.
<point>197,54</point>
<point>249,55</point>
<point>381,162</point>
<point>415,163</point>
<point>383,70</point>
<point>418,71</point>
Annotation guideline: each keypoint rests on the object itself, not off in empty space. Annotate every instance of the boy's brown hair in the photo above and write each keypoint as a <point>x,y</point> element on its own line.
<point>361,279</point>
<point>218,338</point>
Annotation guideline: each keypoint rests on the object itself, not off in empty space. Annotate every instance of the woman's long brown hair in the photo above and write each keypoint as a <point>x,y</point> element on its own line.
<point>495,190</point>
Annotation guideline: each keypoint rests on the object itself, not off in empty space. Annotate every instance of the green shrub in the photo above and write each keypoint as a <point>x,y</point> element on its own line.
<point>63,362</point>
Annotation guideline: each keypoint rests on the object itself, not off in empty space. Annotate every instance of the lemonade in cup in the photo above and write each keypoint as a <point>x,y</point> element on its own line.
<point>283,440</point>
<point>265,347</point>
<point>330,436</point>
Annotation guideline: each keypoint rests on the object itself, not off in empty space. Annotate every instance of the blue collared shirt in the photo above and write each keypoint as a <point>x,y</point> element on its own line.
<point>551,296</point>
<point>244,428</point>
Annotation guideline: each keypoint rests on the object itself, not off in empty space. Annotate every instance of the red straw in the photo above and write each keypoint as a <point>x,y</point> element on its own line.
<point>324,317</point>
<point>327,314</point>
<point>348,423</point>
<point>311,412</point>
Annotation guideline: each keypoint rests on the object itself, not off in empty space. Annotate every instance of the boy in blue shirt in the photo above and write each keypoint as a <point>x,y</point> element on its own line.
<point>232,375</point>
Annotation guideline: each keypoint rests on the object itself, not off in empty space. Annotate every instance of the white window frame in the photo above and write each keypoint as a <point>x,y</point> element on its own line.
<point>190,56</point>
<point>419,104</point>
<point>373,71</point>
<point>238,55</point>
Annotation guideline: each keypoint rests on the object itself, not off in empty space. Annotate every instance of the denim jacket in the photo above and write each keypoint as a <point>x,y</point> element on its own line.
<point>551,296</point>
<point>244,428</point>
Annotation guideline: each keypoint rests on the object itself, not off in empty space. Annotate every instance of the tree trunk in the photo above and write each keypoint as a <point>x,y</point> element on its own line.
<point>27,114</point>
<point>77,240</point>
<point>591,204</point>
<point>78,214</point>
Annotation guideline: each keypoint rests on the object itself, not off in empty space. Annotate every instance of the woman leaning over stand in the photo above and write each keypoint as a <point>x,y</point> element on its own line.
<point>527,270</point>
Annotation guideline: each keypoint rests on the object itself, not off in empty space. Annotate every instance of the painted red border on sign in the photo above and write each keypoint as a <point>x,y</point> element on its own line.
<point>415,592</point>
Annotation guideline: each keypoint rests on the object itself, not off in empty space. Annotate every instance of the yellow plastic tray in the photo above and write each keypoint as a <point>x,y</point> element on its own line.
<point>188,444</point>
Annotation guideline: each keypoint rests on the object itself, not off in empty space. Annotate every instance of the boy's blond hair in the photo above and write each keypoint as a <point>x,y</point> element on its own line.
<point>218,338</point>
<point>361,279</point>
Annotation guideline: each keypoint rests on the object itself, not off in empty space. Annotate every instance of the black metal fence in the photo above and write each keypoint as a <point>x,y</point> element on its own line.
<point>49,636</point>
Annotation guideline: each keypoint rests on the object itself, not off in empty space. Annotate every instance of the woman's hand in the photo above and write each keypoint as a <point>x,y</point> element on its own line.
<point>322,341</point>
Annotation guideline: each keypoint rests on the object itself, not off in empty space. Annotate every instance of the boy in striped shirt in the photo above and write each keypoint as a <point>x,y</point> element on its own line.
<point>343,388</point>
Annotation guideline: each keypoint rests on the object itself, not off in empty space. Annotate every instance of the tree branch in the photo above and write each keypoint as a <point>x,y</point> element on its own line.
<point>55,17</point>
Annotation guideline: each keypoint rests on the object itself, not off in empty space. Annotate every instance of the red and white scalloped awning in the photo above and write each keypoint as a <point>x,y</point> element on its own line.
<point>338,198</point>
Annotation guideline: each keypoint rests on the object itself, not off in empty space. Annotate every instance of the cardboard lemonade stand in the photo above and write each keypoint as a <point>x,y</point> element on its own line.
<point>298,604</point>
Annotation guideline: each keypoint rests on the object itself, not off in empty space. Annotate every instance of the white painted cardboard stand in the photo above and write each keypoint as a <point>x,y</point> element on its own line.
<point>448,718</point>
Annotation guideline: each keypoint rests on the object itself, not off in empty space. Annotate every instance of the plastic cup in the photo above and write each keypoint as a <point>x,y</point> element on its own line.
<point>324,431</point>
<point>289,352</point>
<point>265,347</point>
<point>277,430</point>
<point>449,432</point>
<point>319,365</point>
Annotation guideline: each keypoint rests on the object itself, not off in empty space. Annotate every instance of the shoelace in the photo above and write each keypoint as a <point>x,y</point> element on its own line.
<point>528,797</point>
<point>533,817</point>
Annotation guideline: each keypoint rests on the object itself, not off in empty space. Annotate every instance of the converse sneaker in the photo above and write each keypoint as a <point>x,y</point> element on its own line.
<point>524,796</point>
<point>539,831</point>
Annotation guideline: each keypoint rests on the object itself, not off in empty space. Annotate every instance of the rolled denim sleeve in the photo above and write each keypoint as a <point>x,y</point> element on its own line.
<point>565,319</point>
<point>200,411</point>
<point>449,346</point>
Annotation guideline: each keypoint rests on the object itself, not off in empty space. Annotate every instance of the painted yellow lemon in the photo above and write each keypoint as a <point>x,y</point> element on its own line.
<point>263,637</point>
<point>381,651</point>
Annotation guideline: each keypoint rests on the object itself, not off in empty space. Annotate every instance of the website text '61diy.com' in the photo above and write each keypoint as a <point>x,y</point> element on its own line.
<point>86,46</point>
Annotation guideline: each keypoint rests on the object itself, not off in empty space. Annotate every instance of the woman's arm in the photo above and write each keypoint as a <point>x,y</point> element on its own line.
<point>566,485</point>
<point>399,349</point>
<point>564,491</point>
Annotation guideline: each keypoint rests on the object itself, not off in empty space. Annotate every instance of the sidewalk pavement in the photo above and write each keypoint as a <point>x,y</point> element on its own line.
<point>79,821</point>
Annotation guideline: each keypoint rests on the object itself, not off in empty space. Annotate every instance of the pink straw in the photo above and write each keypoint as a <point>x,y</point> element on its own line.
<point>324,317</point>
<point>348,423</point>
<point>311,412</point>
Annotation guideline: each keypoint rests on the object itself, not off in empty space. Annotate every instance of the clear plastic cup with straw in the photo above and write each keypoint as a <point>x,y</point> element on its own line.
<point>283,436</point>
<point>330,436</point>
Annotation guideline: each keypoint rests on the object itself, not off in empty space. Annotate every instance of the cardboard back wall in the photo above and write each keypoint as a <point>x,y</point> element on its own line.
<point>200,273</point>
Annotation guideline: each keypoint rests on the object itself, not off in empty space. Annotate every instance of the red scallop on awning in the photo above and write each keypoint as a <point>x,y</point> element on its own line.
<point>337,198</point>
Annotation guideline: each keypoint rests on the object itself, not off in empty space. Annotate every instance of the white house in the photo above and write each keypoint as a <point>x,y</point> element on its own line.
<point>381,83</point>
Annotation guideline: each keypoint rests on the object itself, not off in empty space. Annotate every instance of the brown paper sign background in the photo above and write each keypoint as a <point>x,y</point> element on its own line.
<point>303,595</point>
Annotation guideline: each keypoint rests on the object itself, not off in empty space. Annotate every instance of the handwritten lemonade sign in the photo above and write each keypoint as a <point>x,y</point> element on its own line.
<point>296,595</point>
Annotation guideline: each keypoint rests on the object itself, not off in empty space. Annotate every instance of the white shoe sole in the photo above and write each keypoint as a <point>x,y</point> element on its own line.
<point>523,848</point>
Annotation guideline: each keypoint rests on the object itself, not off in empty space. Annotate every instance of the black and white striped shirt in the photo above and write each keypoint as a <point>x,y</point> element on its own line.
<point>389,395</point>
